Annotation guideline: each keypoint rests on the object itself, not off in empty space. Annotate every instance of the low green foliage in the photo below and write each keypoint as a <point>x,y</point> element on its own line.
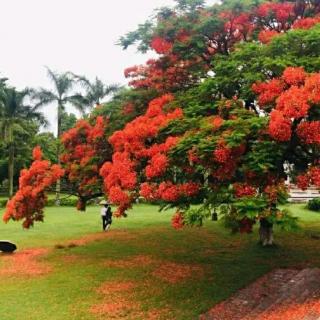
<point>314,204</point>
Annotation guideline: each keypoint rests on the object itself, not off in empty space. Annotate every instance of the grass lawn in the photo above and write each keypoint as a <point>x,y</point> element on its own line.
<point>141,269</point>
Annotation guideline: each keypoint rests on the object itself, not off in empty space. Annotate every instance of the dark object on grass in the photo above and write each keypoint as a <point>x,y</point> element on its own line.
<point>314,204</point>
<point>214,216</point>
<point>7,246</point>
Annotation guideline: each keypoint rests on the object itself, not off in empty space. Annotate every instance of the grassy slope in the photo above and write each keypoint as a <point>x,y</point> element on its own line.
<point>229,263</point>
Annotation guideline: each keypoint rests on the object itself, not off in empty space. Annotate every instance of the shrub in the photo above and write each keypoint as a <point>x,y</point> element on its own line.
<point>67,202</point>
<point>314,204</point>
<point>3,203</point>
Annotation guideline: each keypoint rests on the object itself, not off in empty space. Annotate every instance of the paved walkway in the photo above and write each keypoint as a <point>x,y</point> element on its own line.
<point>284,294</point>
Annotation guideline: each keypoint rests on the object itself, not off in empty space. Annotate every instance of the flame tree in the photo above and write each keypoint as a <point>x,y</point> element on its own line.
<point>225,114</point>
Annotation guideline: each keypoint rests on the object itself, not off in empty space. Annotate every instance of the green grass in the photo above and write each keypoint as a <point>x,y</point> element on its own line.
<point>229,262</point>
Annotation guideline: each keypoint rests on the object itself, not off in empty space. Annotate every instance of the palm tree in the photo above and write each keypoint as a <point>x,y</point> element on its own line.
<point>61,94</point>
<point>96,91</point>
<point>15,113</point>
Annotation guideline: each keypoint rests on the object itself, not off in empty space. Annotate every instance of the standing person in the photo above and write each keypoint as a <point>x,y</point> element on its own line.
<point>106,215</point>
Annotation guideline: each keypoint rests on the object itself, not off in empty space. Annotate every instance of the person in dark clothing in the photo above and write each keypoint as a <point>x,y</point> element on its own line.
<point>106,215</point>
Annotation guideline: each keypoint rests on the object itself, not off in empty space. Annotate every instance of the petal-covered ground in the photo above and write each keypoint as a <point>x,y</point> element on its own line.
<point>283,294</point>
<point>143,269</point>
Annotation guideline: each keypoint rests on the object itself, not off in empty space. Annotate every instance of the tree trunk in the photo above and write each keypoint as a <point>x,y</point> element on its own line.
<point>11,169</point>
<point>266,233</point>
<point>58,184</point>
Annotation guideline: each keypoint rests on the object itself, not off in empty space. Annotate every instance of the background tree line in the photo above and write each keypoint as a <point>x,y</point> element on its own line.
<point>23,120</point>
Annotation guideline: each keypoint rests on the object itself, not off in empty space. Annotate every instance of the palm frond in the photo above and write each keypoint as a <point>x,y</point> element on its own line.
<point>79,102</point>
<point>43,97</point>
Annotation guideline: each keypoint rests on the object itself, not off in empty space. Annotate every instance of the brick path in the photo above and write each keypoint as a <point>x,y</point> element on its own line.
<point>284,294</point>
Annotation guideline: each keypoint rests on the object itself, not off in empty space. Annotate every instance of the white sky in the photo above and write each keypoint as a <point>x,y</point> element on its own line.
<point>69,35</point>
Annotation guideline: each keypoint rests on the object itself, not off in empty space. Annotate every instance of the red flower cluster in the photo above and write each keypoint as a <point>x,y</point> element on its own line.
<point>312,87</point>
<point>273,191</point>
<point>169,192</point>
<point>149,191</point>
<point>302,181</point>
<point>227,160</point>
<point>239,26</point>
<point>281,11</point>
<point>294,76</point>
<point>279,126</point>
<point>217,122</point>
<point>157,167</point>
<point>30,199</point>
<point>311,177</point>
<point>243,190</point>
<point>293,95</point>
<point>83,144</point>
<point>222,154</point>
<point>161,45</point>
<point>293,103</point>
<point>131,145</point>
<point>268,91</point>
<point>178,220</point>
<point>265,36</point>
<point>306,23</point>
<point>309,132</point>
<point>193,157</point>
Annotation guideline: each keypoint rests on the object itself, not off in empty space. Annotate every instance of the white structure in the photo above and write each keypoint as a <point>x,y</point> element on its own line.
<point>298,195</point>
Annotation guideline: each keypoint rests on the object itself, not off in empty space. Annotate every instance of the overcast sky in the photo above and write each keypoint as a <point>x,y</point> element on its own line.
<point>69,35</point>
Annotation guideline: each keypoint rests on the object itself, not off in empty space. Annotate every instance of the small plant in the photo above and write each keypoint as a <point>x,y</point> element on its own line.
<point>314,204</point>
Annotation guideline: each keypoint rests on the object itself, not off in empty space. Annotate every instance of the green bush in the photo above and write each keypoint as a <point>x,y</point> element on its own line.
<point>67,202</point>
<point>314,204</point>
<point>64,202</point>
<point>3,203</point>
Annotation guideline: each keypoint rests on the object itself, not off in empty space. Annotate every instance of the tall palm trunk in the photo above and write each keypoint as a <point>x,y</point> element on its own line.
<point>11,169</point>
<point>58,184</point>
<point>10,162</point>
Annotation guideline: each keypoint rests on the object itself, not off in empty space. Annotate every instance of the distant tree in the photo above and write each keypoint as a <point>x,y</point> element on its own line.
<point>68,121</point>
<point>61,94</point>
<point>96,91</point>
<point>48,143</point>
<point>15,114</point>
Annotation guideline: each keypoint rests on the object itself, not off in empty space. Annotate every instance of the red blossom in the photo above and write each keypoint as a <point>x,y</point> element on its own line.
<point>309,132</point>
<point>148,191</point>
<point>30,199</point>
<point>222,154</point>
<point>314,174</point>
<point>217,122</point>
<point>303,181</point>
<point>312,87</point>
<point>161,45</point>
<point>306,23</point>
<point>157,167</point>
<point>37,153</point>
<point>177,220</point>
<point>293,102</point>
<point>294,75</point>
<point>192,156</point>
<point>189,189</point>
<point>266,36</point>
<point>243,190</point>
<point>268,91</point>
<point>169,192</point>
<point>279,126</point>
